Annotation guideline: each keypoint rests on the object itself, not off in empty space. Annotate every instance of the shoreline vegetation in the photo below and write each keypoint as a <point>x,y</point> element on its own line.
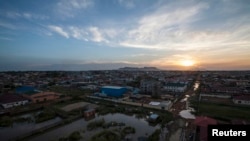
<point>50,112</point>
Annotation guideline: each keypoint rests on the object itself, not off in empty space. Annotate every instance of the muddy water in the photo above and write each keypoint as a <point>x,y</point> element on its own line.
<point>141,126</point>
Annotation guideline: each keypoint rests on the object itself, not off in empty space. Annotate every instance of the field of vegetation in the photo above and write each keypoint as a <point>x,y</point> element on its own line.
<point>222,111</point>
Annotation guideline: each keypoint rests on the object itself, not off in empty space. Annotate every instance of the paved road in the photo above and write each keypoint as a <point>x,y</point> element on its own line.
<point>182,133</point>
<point>182,105</point>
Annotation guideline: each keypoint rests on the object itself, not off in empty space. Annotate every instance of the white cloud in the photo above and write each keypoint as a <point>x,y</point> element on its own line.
<point>162,28</point>
<point>59,30</point>
<point>96,34</point>
<point>82,33</point>
<point>88,34</point>
<point>127,3</point>
<point>111,32</point>
<point>78,33</point>
<point>173,27</point>
<point>68,8</point>
<point>169,27</point>
<point>26,15</point>
<point>13,15</point>
<point>7,25</point>
<point>142,55</point>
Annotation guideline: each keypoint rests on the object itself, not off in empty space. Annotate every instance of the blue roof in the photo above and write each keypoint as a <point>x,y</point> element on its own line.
<point>154,116</point>
<point>25,89</point>
<point>113,91</point>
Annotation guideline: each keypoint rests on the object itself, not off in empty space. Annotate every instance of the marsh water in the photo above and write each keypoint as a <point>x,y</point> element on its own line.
<point>21,128</point>
<point>141,126</point>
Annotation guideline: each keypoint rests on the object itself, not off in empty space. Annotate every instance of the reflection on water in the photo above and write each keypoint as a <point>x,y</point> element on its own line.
<point>21,128</point>
<point>141,125</point>
<point>196,85</point>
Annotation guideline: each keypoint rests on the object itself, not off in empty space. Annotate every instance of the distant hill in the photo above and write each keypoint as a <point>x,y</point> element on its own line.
<point>139,69</point>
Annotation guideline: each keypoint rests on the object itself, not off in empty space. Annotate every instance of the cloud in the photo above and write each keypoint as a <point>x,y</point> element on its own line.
<point>172,27</point>
<point>69,8</point>
<point>7,25</point>
<point>127,3</point>
<point>96,35</point>
<point>187,27</point>
<point>163,27</point>
<point>78,33</point>
<point>13,15</point>
<point>26,15</point>
<point>142,55</point>
<point>59,30</point>
<point>173,60</point>
<point>83,33</point>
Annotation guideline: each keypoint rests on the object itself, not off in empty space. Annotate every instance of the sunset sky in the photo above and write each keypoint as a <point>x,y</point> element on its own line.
<point>109,34</point>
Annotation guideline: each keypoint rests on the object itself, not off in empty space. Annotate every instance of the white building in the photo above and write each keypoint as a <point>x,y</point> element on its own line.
<point>175,87</point>
<point>243,99</point>
<point>12,100</point>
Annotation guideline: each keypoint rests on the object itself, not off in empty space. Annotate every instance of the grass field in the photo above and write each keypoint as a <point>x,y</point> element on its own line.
<point>224,112</point>
<point>69,91</point>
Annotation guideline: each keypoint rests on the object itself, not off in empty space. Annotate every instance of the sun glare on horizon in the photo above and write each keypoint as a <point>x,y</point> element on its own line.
<point>187,63</point>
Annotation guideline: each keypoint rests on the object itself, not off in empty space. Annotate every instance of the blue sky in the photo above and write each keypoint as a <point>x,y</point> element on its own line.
<point>108,34</point>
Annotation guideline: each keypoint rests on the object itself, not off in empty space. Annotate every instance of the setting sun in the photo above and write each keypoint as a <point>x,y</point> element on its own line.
<point>187,63</point>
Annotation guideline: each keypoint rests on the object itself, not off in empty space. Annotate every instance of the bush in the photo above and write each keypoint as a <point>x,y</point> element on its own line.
<point>46,114</point>
<point>128,130</point>
<point>75,136</point>
<point>95,124</point>
<point>106,136</point>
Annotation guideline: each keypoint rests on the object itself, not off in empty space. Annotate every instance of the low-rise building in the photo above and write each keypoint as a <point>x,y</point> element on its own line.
<point>150,87</point>
<point>166,105</point>
<point>12,100</point>
<point>175,87</point>
<point>201,123</point>
<point>153,118</point>
<point>242,99</point>
<point>113,91</point>
<point>89,113</point>
<point>42,96</point>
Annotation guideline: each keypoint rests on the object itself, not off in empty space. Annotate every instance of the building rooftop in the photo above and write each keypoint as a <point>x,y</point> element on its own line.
<point>153,116</point>
<point>24,89</point>
<point>113,87</point>
<point>9,98</point>
<point>242,97</point>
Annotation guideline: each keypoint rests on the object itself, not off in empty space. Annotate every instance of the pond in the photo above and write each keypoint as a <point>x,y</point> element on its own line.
<point>141,126</point>
<point>22,128</point>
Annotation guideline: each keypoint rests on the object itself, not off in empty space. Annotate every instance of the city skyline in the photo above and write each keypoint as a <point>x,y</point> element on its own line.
<point>97,34</point>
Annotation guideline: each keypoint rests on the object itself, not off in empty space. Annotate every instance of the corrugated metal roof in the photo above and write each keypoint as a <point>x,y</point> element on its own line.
<point>154,116</point>
<point>113,87</point>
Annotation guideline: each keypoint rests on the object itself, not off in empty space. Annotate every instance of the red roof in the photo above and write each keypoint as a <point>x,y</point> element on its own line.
<point>9,98</point>
<point>203,122</point>
<point>242,97</point>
